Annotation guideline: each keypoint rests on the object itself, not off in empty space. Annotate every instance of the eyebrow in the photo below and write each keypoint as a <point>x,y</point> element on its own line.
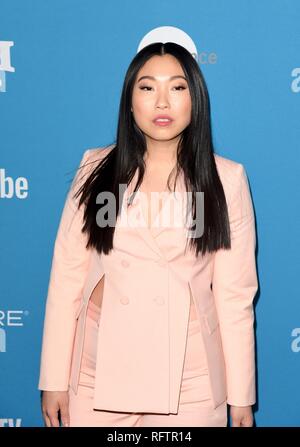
<point>153,77</point>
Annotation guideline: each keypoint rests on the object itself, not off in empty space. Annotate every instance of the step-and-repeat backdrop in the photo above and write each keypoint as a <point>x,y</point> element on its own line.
<point>62,65</point>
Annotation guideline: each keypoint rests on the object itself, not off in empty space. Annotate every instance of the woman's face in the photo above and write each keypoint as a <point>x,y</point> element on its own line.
<point>161,95</point>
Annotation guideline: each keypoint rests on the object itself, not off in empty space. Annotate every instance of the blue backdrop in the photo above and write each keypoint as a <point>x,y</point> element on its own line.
<point>62,65</point>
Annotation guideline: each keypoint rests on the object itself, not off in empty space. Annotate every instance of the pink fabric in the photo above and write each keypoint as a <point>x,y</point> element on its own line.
<point>195,404</point>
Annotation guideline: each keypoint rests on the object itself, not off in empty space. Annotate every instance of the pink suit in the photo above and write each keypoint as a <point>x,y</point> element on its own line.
<point>195,407</point>
<point>149,277</point>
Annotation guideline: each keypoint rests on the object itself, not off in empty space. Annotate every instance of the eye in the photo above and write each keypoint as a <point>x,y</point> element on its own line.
<point>176,87</point>
<point>181,86</point>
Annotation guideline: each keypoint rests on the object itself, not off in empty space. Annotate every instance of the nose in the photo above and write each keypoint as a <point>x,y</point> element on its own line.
<point>161,106</point>
<point>162,100</point>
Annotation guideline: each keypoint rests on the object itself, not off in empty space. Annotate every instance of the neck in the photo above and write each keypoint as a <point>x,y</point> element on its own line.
<point>161,153</point>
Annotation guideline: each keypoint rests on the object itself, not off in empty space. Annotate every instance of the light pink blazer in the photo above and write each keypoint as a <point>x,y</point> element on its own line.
<point>146,300</point>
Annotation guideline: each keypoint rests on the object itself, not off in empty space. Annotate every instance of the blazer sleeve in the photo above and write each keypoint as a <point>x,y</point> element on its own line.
<point>67,277</point>
<point>234,288</point>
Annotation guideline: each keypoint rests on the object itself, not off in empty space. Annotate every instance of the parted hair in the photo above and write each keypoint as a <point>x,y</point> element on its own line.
<point>195,157</point>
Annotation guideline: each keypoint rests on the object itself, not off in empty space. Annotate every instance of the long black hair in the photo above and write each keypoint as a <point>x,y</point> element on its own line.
<point>195,157</point>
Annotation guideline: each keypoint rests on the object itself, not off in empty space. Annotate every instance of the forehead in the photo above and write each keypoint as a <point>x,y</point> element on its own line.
<point>161,67</point>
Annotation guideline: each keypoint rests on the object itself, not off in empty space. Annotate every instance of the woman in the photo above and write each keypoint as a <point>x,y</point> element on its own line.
<point>150,323</point>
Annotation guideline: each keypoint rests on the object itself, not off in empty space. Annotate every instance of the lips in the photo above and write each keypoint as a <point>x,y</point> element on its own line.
<point>162,119</point>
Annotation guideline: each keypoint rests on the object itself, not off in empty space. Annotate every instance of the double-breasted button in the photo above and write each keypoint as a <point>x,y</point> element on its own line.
<point>124,300</point>
<point>162,262</point>
<point>159,300</point>
<point>125,263</point>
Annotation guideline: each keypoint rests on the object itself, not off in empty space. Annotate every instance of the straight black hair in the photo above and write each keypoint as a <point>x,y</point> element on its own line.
<point>195,157</point>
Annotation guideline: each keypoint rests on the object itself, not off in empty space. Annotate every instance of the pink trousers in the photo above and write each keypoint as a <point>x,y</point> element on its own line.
<point>195,405</point>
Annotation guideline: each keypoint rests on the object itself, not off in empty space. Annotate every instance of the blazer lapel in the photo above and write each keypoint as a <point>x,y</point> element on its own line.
<point>136,218</point>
